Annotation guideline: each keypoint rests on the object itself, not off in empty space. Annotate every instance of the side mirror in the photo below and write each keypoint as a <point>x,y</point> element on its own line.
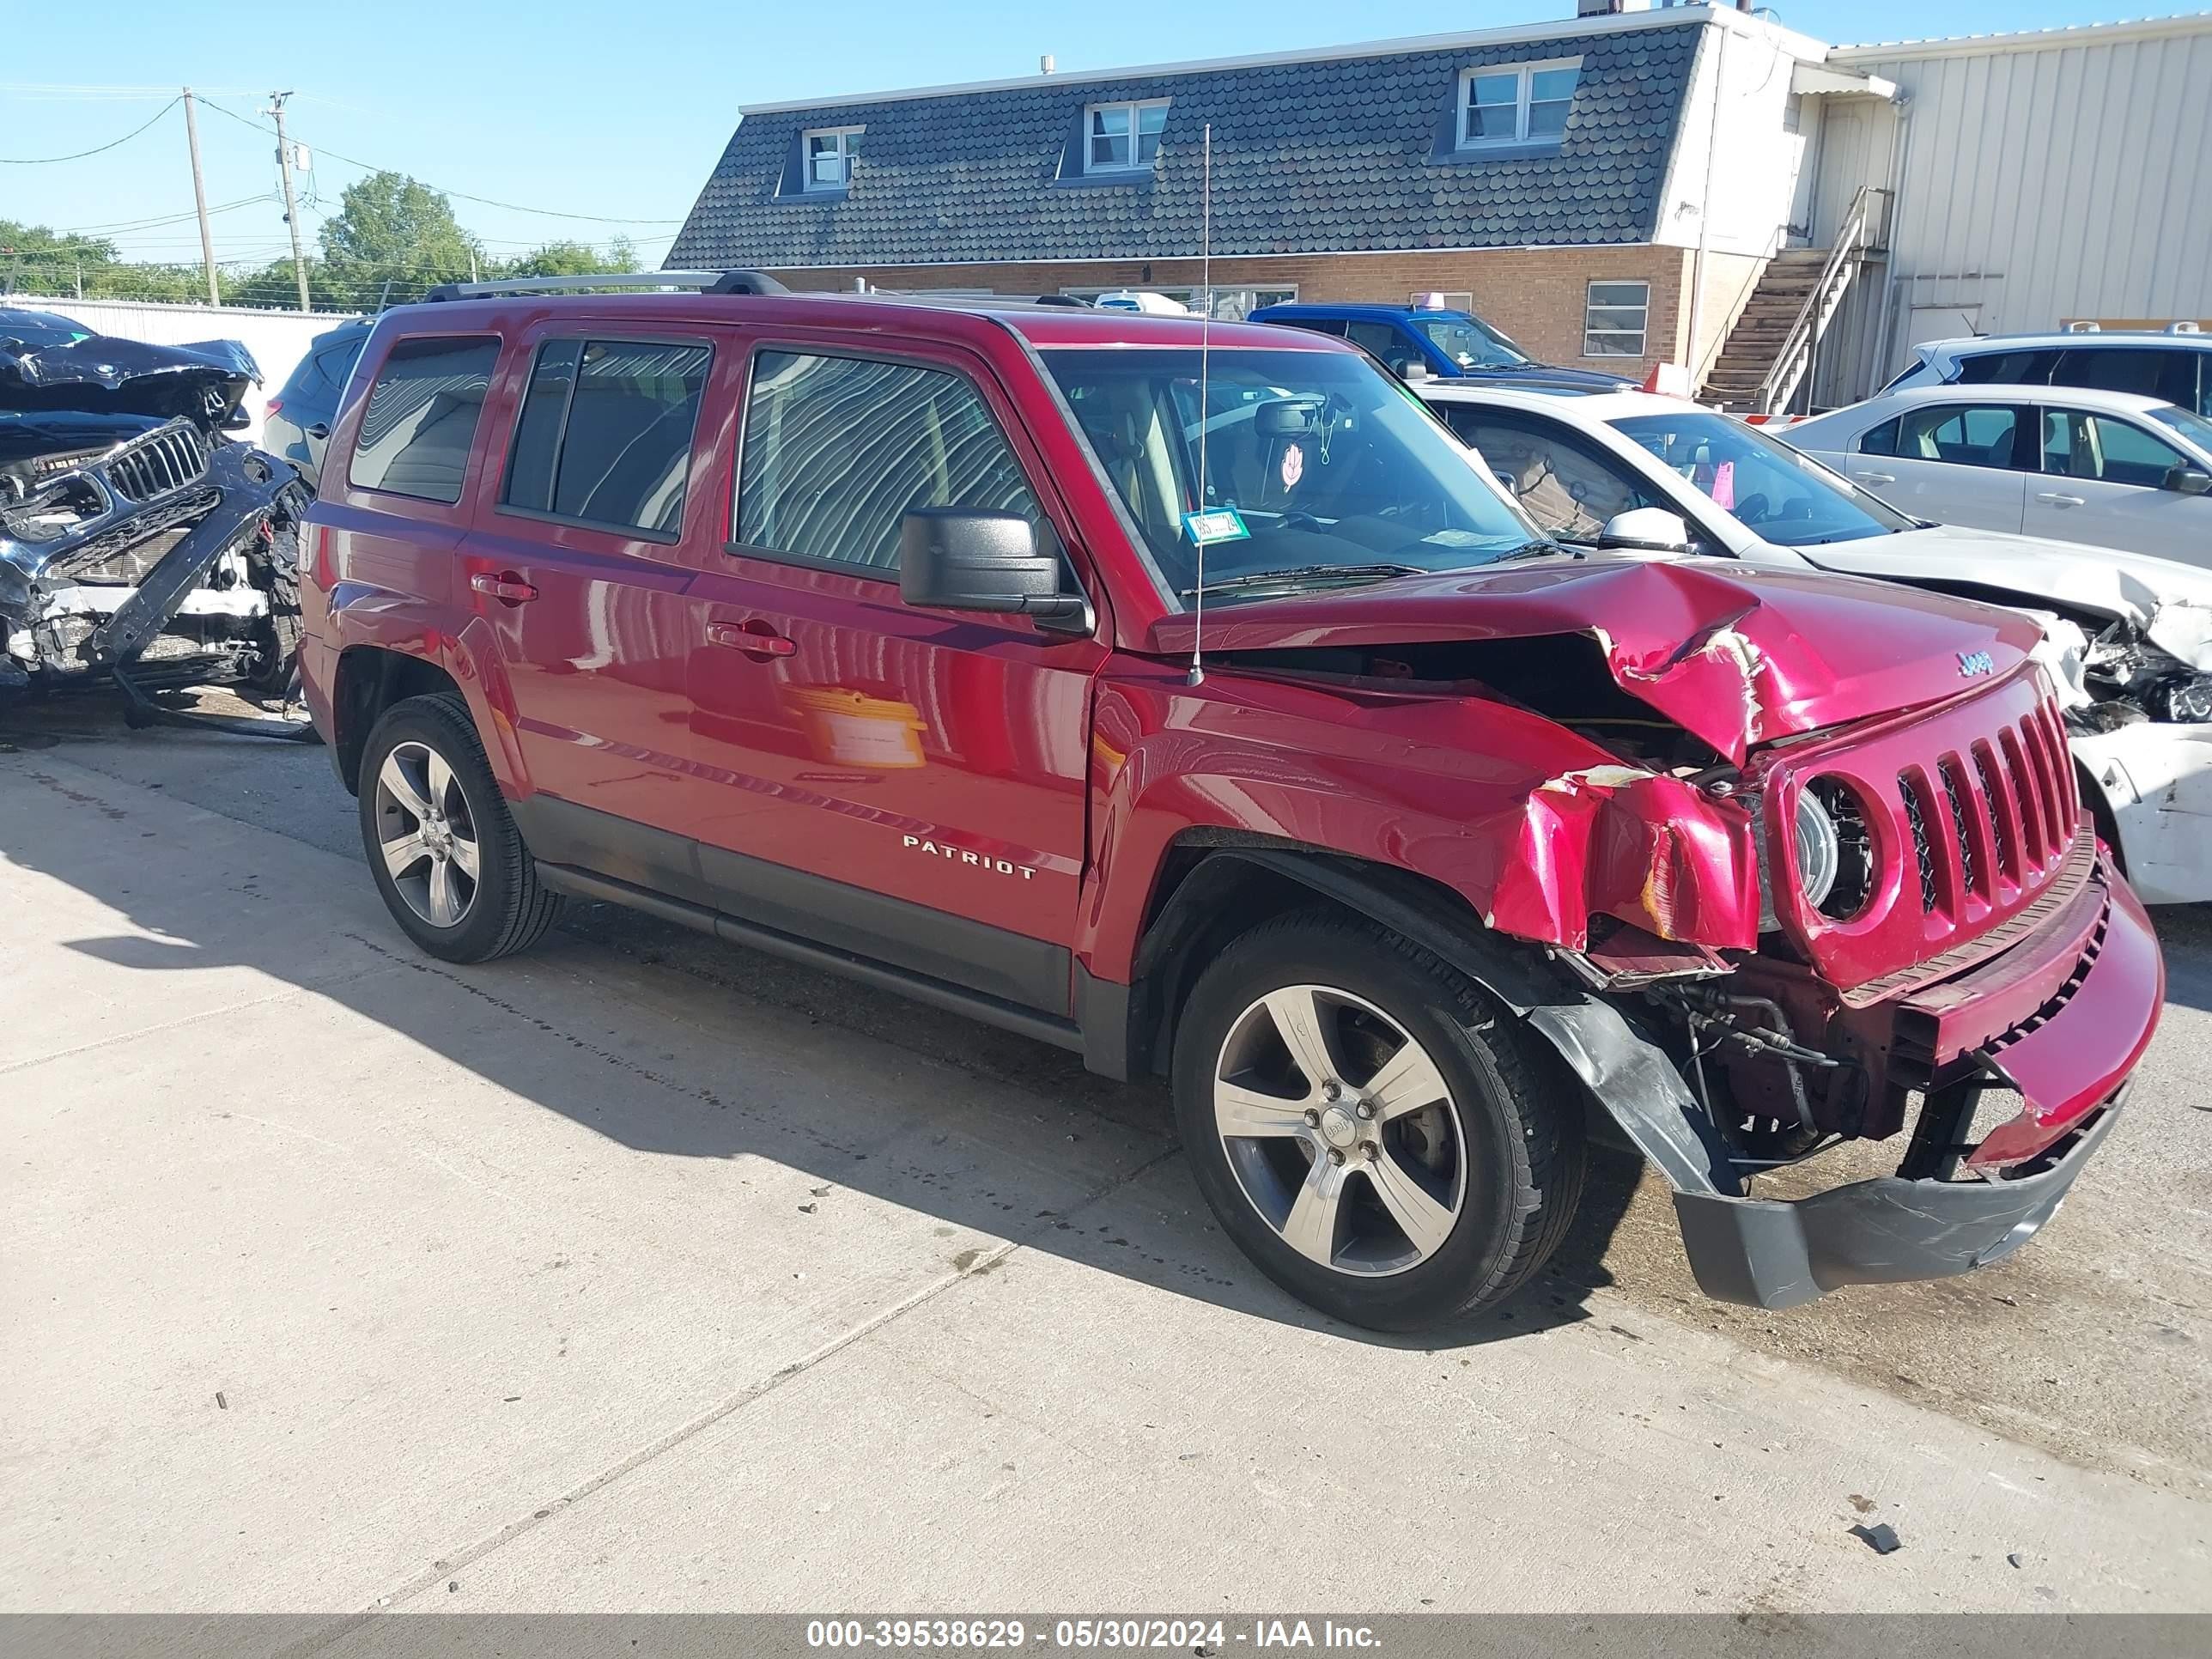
<point>1646,529</point>
<point>958,558</point>
<point>237,421</point>
<point>2187,481</point>
<point>1416,370</point>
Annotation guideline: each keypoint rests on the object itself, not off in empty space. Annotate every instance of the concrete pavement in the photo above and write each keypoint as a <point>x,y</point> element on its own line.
<point>342,1279</point>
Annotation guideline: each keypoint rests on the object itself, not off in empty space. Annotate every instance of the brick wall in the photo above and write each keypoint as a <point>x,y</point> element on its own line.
<point>1534,294</point>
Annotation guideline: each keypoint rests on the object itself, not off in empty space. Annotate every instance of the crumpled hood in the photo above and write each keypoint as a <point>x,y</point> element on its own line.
<point>2170,601</point>
<point>102,374</point>
<point>1735,656</point>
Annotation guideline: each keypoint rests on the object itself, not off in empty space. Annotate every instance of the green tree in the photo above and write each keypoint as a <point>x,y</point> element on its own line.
<point>565,258</point>
<point>273,285</point>
<point>36,259</point>
<point>391,238</point>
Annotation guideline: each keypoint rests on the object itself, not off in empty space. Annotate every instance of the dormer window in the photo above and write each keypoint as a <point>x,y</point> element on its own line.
<point>1516,103</point>
<point>829,153</point>
<point>1122,137</point>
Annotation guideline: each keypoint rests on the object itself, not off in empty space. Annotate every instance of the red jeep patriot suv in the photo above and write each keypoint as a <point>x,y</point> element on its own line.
<point>868,631</point>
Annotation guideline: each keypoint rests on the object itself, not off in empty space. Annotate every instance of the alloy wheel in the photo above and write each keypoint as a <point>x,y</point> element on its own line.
<point>1341,1130</point>
<point>426,834</point>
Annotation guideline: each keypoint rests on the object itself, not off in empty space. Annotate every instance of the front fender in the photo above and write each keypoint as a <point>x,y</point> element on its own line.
<point>1538,829</point>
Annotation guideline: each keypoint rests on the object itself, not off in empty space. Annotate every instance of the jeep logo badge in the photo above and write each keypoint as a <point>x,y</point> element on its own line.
<point>1972,663</point>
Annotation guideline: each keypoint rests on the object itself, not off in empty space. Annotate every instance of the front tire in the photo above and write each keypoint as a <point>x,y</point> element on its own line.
<point>1428,1170</point>
<point>444,850</point>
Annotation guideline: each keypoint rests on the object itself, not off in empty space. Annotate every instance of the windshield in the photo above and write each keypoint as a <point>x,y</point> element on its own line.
<point>1470,342</point>
<point>34,329</point>
<point>2195,428</point>
<point>1335,472</point>
<point>1788,499</point>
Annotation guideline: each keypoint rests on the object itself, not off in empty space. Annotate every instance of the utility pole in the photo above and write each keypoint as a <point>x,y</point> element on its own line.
<point>199,198</point>
<point>291,207</point>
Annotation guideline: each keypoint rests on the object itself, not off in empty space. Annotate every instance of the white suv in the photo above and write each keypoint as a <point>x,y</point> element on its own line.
<point>2174,366</point>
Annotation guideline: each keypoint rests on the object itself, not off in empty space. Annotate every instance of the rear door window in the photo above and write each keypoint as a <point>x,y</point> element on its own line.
<point>1396,352</point>
<point>1569,486</point>
<point>1960,434</point>
<point>2113,368</point>
<point>420,420</point>
<point>605,435</point>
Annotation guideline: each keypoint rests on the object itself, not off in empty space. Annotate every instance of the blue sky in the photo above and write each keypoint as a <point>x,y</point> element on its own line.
<point>548,105</point>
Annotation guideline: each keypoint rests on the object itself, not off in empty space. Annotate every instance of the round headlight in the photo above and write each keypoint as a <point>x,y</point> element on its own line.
<point>1818,851</point>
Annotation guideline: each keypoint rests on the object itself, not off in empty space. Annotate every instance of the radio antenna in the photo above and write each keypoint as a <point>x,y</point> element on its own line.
<point>1205,337</point>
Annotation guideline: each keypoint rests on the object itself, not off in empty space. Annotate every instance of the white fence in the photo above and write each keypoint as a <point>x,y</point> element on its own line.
<point>277,339</point>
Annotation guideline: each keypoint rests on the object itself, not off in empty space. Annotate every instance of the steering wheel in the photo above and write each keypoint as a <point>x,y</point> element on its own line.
<point>1752,509</point>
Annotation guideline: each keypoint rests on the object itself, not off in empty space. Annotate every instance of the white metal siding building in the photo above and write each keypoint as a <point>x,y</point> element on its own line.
<point>2040,178</point>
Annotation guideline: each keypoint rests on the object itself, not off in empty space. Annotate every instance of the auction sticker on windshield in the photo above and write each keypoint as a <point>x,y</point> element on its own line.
<point>1218,523</point>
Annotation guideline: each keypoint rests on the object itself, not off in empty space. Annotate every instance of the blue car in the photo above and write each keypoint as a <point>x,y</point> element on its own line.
<point>1454,345</point>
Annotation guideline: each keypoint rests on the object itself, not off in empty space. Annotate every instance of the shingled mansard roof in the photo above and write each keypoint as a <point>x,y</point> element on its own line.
<point>1342,152</point>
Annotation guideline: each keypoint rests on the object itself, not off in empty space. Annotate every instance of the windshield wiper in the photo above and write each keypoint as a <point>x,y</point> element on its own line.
<point>1541,549</point>
<point>1356,572</point>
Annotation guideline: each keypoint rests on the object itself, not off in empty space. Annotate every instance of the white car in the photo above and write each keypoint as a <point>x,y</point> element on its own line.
<point>2113,469</point>
<point>2131,635</point>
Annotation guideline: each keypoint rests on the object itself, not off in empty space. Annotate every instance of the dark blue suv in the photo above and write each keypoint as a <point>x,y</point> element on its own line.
<point>1450,345</point>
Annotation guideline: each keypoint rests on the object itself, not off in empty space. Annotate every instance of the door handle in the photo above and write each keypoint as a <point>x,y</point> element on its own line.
<point>2057,500</point>
<point>756,638</point>
<point>506,587</point>
<point>319,431</point>
<point>1875,477</point>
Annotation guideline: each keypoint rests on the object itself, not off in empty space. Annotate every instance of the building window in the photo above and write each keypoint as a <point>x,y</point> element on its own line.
<point>830,153</point>
<point>1516,104</point>
<point>1122,137</point>
<point>1614,316</point>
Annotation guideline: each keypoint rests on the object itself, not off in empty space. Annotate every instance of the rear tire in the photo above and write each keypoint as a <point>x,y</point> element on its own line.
<point>443,848</point>
<point>1429,1176</point>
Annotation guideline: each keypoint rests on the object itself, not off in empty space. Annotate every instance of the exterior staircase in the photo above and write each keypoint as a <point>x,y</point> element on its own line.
<point>1768,354</point>
<point>1762,329</point>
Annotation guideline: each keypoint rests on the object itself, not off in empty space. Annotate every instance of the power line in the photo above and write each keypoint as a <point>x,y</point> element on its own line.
<point>47,160</point>
<point>481,201</point>
<point>123,227</point>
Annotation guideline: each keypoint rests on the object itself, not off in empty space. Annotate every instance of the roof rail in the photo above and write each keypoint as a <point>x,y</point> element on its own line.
<point>703,282</point>
<point>2183,328</point>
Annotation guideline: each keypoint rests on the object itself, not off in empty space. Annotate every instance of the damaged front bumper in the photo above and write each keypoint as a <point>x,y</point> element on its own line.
<point>2063,1018</point>
<point>84,596</point>
<point>1776,1253</point>
<point>2055,1023</point>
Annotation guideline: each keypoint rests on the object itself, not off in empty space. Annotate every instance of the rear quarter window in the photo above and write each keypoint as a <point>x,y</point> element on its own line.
<point>420,417</point>
<point>2008,367</point>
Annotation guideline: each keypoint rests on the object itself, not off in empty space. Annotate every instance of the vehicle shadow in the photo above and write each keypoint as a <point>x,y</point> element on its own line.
<point>670,1045</point>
